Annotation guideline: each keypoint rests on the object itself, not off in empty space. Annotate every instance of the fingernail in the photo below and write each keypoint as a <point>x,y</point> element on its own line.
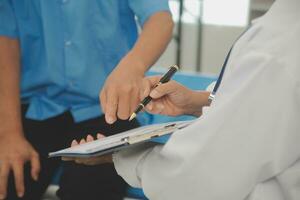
<point>154,93</point>
<point>20,194</point>
<point>110,120</point>
<point>74,143</point>
<point>99,136</point>
<point>82,141</point>
<point>36,177</point>
<point>2,196</point>
<point>89,138</point>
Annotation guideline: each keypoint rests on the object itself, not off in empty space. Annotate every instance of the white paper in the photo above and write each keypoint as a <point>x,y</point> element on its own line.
<point>120,139</point>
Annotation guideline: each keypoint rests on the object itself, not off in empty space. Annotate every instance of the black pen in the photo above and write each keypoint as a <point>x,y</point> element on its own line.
<point>173,69</point>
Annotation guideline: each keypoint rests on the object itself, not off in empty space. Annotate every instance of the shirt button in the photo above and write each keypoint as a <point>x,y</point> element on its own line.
<point>68,43</point>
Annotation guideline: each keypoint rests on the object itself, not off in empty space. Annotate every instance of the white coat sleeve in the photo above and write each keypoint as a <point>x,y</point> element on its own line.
<point>250,134</point>
<point>127,163</point>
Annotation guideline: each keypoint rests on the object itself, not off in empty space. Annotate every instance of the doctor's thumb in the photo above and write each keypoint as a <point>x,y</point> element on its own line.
<point>155,94</point>
<point>161,90</point>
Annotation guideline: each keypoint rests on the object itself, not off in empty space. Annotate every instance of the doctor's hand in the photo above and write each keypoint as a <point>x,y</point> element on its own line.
<point>92,160</point>
<point>172,98</point>
<point>120,93</point>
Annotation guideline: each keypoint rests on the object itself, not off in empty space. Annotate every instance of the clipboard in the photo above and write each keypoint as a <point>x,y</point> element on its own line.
<point>157,134</point>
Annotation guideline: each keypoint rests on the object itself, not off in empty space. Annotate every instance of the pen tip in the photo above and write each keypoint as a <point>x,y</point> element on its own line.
<point>132,116</point>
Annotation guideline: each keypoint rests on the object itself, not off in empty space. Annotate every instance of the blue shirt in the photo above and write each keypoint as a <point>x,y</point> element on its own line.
<point>69,47</point>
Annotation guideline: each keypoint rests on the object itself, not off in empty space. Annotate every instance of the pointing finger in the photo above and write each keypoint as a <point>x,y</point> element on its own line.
<point>124,106</point>
<point>111,107</point>
<point>135,100</point>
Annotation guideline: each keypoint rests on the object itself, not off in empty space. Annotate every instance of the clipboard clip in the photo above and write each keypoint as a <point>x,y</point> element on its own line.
<point>168,129</point>
<point>144,137</point>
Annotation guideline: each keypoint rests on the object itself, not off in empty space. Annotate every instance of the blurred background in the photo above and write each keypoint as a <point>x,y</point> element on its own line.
<point>205,31</point>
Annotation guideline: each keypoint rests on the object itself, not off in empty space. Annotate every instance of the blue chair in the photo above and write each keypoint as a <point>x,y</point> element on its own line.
<point>193,81</point>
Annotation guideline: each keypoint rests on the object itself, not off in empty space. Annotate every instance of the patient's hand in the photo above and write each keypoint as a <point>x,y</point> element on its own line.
<point>89,161</point>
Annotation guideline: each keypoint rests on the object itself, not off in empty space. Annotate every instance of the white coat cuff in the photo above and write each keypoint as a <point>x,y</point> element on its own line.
<point>128,164</point>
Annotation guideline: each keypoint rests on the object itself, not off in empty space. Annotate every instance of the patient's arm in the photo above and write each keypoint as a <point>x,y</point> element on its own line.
<point>15,150</point>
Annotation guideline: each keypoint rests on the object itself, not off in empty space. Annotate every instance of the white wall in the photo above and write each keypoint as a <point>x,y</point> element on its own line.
<point>216,42</point>
<point>216,39</point>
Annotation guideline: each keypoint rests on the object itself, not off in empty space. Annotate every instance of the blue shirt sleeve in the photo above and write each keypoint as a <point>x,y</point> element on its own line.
<point>8,25</point>
<point>143,9</point>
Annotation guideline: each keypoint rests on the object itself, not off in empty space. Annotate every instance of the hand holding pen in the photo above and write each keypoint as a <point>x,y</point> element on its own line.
<point>173,69</point>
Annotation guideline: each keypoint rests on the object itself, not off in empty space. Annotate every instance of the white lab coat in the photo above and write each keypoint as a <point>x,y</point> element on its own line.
<point>246,146</point>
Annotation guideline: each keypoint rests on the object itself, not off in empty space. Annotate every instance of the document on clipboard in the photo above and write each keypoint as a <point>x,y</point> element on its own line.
<point>157,133</point>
